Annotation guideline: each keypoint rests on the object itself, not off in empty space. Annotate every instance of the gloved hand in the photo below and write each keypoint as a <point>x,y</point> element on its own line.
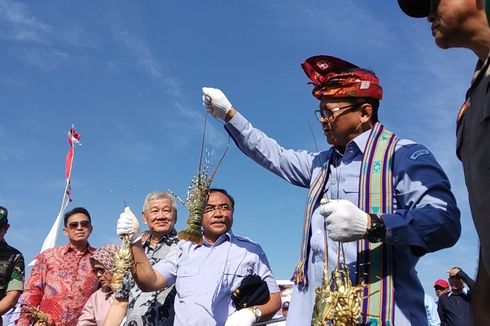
<point>215,102</point>
<point>345,221</point>
<point>127,224</point>
<point>242,317</point>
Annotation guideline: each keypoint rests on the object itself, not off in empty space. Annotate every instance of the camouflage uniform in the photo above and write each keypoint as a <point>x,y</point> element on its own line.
<point>12,270</point>
<point>12,266</point>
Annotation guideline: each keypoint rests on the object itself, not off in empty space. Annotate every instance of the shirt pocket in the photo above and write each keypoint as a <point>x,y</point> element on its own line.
<point>188,281</point>
<point>350,190</point>
<point>235,274</point>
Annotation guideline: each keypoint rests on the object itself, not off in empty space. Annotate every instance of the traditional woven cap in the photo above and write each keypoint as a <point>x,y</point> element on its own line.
<point>105,255</point>
<point>334,77</point>
<point>415,8</point>
<point>442,283</point>
<point>3,214</point>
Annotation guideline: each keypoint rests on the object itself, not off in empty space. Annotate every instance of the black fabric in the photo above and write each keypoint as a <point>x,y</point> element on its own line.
<point>252,291</point>
<point>455,309</point>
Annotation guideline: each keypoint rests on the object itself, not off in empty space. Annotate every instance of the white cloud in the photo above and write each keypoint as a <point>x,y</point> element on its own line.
<point>18,24</point>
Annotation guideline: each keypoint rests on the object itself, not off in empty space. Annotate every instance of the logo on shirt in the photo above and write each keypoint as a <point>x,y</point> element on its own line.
<point>418,154</point>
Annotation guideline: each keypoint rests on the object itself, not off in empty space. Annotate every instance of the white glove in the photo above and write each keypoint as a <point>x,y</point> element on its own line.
<point>127,224</point>
<point>345,221</point>
<point>215,102</point>
<point>243,317</point>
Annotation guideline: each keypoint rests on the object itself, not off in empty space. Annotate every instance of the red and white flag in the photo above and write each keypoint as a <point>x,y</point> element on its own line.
<point>50,241</point>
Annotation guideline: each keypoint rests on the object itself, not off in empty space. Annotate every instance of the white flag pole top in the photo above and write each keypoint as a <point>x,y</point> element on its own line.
<point>50,241</point>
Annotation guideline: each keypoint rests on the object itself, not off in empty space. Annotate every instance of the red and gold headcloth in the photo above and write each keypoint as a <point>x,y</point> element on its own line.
<point>334,77</point>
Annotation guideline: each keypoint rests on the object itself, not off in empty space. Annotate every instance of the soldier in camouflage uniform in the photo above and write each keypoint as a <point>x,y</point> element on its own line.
<point>11,269</point>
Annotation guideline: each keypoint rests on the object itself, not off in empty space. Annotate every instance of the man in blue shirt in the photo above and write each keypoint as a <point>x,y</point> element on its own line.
<point>372,185</point>
<point>206,275</point>
<point>454,308</point>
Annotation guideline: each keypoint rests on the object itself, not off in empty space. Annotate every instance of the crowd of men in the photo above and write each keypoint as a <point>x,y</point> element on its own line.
<point>380,200</point>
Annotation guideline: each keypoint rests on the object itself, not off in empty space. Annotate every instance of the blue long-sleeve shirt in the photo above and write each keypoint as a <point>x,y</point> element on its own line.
<point>425,216</point>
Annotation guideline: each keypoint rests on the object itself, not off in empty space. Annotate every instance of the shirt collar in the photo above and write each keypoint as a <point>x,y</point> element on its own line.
<point>168,239</point>
<point>359,141</point>
<point>68,247</point>
<point>228,236</point>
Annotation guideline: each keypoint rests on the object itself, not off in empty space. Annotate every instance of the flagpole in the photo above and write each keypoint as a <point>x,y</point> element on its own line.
<point>50,240</point>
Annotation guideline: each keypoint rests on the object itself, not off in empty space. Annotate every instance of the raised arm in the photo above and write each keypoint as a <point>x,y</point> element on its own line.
<point>143,273</point>
<point>294,166</point>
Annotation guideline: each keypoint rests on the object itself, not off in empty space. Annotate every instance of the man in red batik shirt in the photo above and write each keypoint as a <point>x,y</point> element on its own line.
<point>62,279</point>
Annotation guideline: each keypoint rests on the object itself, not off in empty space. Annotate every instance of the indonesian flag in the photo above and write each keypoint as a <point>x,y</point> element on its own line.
<point>50,241</point>
<point>73,138</point>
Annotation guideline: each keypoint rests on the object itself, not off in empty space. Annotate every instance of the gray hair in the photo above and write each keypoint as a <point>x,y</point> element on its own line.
<point>159,195</point>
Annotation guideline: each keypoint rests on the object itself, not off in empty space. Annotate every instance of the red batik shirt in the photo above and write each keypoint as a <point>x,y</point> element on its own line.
<point>60,283</point>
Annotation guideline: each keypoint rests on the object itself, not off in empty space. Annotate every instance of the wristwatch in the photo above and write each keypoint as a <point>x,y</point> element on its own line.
<point>377,231</point>
<point>257,313</point>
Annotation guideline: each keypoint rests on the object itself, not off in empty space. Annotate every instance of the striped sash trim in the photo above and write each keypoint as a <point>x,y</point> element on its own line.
<point>300,276</point>
<point>375,265</point>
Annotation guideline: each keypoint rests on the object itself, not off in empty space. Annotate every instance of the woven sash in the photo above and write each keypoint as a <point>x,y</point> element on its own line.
<point>375,264</point>
<point>300,276</point>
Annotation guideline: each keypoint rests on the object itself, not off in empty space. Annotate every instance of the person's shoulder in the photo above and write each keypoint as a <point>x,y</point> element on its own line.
<point>248,243</point>
<point>407,149</point>
<point>443,298</point>
<point>245,239</point>
<point>11,251</point>
<point>56,251</point>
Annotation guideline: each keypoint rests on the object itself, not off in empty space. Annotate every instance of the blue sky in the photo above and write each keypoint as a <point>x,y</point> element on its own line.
<point>128,75</point>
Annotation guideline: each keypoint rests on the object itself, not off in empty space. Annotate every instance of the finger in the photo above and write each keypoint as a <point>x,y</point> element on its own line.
<point>329,207</point>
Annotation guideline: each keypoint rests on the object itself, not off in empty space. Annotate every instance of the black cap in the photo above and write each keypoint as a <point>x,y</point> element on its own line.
<point>415,8</point>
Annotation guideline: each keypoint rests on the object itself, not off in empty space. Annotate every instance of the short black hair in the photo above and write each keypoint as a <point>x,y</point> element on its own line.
<point>374,104</point>
<point>77,210</point>
<point>224,192</point>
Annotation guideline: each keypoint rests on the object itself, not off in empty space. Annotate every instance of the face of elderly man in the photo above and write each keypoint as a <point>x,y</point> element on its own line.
<point>160,216</point>
<point>218,216</point>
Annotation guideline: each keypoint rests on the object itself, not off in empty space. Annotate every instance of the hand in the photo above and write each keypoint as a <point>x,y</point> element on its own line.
<point>243,317</point>
<point>127,224</point>
<point>453,272</point>
<point>345,221</point>
<point>215,102</point>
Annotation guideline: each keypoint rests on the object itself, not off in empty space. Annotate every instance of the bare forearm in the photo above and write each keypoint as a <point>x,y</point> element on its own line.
<point>143,273</point>
<point>116,313</point>
<point>9,301</point>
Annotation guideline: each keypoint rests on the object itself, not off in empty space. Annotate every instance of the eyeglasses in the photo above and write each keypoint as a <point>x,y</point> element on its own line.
<point>77,224</point>
<point>223,207</point>
<point>328,114</point>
